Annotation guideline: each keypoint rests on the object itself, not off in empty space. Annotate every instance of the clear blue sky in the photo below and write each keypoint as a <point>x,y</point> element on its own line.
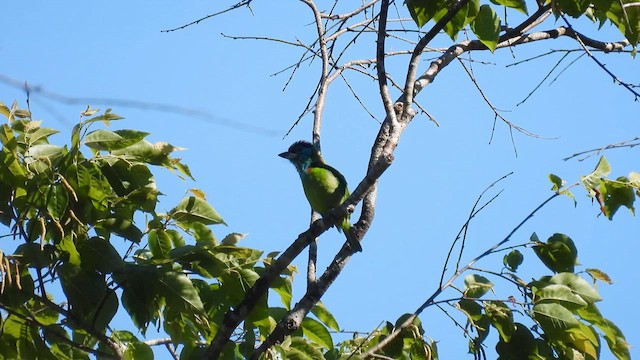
<point>115,50</point>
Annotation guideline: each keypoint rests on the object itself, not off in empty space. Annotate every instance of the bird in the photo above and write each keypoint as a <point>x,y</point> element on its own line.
<point>324,186</point>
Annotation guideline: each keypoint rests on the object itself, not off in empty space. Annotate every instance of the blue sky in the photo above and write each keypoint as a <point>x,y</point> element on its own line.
<point>115,50</point>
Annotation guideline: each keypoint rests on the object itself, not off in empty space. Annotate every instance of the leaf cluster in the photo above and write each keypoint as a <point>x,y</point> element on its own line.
<point>485,22</point>
<point>67,206</point>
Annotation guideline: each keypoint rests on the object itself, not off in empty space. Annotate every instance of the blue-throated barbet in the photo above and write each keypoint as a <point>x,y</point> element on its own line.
<point>323,185</point>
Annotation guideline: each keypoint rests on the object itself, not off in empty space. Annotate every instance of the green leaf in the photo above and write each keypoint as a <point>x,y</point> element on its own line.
<point>284,288</point>
<point>302,350</point>
<point>140,295</point>
<point>195,210</point>
<point>138,351</point>
<point>574,8</point>
<point>159,243</point>
<point>121,227</point>
<point>627,19</point>
<point>553,316</point>
<point>423,10</point>
<point>616,194</point>
<point>180,292</point>
<point>323,314</point>
<point>602,170</point>
<point>462,18</point>
<point>519,5</point>
<point>97,253</point>
<point>561,294</point>
<point>559,253</point>
<point>476,286</point>
<point>113,140</point>
<point>513,259</point>
<point>578,285</point>
<point>521,345</point>
<point>317,333</point>
<point>501,318</point>
<point>232,239</point>
<point>105,118</point>
<point>57,201</point>
<point>599,275</point>
<point>486,26</point>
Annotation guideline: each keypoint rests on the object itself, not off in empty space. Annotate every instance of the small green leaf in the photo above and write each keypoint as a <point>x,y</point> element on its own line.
<point>476,286</point>
<point>138,351</point>
<point>486,26</point>
<point>513,259</point>
<point>423,10</point>
<point>599,275</point>
<point>232,239</point>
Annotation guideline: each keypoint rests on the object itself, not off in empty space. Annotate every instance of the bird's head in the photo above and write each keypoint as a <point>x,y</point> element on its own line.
<point>301,154</point>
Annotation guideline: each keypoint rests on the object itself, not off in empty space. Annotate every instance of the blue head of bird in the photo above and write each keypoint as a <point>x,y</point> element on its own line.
<point>302,154</point>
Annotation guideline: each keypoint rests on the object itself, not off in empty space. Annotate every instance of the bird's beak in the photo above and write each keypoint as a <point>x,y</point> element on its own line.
<point>287,155</point>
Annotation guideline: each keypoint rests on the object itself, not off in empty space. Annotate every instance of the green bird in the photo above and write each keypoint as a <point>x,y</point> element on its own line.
<point>323,185</point>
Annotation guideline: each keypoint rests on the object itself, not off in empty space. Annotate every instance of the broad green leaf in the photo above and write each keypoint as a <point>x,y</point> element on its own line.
<point>476,285</point>
<point>612,334</point>
<point>561,294</point>
<point>180,292</point>
<point>501,318</point>
<point>423,10</point>
<point>616,194</point>
<point>176,238</point>
<point>317,333</point>
<point>113,140</point>
<point>284,288</point>
<point>140,295</point>
<point>574,8</point>
<point>519,5</point>
<point>302,350</point>
<point>521,345</point>
<point>553,316</point>
<point>33,255</point>
<point>513,259</point>
<point>559,253</point>
<point>138,351</point>
<point>86,292</point>
<point>578,285</point>
<point>585,339</point>
<point>159,243</point>
<point>121,227</point>
<point>462,18</point>
<point>627,19</point>
<point>68,246</point>
<point>57,201</point>
<point>592,180</point>
<point>40,136</point>
<point>323,314</point>
<point>97,253</point>
<point>192,209</point>
<point>486,26</point>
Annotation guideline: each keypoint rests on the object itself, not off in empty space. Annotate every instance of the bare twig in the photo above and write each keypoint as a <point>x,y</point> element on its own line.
<point>233,7</point>
<point>593,152</point>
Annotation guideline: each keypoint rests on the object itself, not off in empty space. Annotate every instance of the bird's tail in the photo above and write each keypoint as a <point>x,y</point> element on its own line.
<point>353,242</point>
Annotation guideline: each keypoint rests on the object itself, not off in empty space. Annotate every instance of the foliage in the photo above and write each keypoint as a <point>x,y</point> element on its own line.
<point>67,212</point>
<point>485,23</point>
